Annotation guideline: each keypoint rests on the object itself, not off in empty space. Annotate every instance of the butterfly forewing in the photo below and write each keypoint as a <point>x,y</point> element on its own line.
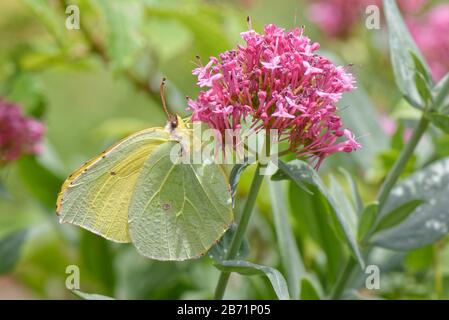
<point>96,196</point>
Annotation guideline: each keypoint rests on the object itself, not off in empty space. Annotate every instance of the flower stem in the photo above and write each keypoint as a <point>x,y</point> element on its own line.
<point>384,192</point>
<point>240,232</point>
<point>399,166</point>
<point>341,282</point>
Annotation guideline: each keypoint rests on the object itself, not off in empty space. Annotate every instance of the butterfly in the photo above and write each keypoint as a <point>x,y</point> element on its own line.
<point>134,192</point>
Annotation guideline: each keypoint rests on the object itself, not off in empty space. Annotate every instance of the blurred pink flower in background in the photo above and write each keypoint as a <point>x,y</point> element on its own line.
<point>19,135</point>
<point>389,126</point>
<point>279,81</point>
<point>431,33</point>
<point>337,18</point>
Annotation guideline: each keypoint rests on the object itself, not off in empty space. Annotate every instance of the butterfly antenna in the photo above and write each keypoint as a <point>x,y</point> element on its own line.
<point>164,104</point>
<point>250,24</point>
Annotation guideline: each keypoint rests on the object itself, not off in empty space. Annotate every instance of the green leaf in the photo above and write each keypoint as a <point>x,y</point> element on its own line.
<point>423,87</point>
<point>367,220</point>
<point>440,120</point>
<point>40,181</point>
<point>247,268</point>
<point>4,194</point>
<point>90,296</point>
<point>203,22</point>
<point>290,255</point>
<point>98,259</point>
<point>311,217</point>
<point>429,221</point>
<point>401,44</point>
<point>356,198</point>
<point>234,177</point>
<point>219,251</point>
<point>25,90</point>
<point>10,248</point>
<point>308,290</point>
<point>441,92</point>
<point>47,15</point>
<point>300,172</point>
<point>285,172</point>
<point>342,201</point>
<point>397,215</point>
<point>123,20</point>
<point>421,69</point>
<point>168,38</point>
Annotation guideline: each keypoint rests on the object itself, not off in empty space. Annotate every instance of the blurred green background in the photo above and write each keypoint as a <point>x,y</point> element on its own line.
<point>87,86</point>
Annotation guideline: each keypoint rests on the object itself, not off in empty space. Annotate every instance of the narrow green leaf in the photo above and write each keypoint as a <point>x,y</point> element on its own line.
<point>308,290</point>
<point>367,219</point>
<point>247,268</point>
<point>342,201</point>
<point>98,259</point>
<point>300,172</point>
<point>397,215</point>
<point>311,216</point>
<point>285,172</point>
<point>423,87</point>
<point>219,251</point>
<point>290,255</point>
<point>356,198</point>
<point>234,177</point>
<point>440,120</point>
<point>441,91</point>
<point>421,69</point>
<point>90,296</point>
<point>401,44</point>
<point>10,248</point>
<point>41,182</point>
<point>429,221</point>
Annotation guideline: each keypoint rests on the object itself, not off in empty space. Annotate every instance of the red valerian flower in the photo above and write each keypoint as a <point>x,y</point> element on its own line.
<point>279,82</point>
<point>19,135</point>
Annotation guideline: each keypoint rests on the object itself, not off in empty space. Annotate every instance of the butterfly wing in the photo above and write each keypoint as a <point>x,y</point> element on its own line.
<point>96,196</point>
<point>183,212</point>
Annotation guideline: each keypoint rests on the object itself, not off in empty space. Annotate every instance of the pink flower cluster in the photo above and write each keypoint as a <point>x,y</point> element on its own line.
<point>431,33</point>
<point>19,135</point>
<point>279,82</point>
<point>337,18</point>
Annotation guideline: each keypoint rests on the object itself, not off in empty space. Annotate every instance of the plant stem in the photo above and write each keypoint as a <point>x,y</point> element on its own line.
<point>399,166</point>
<point>384,192</point>
<point>437,269</point>
<point>240,232</point>
<point>341,282</point>
<point>244,218</point>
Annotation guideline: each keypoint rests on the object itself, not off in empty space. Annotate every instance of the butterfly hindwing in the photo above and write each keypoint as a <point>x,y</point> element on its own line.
<point>183,211</point>
<point>96,196</point>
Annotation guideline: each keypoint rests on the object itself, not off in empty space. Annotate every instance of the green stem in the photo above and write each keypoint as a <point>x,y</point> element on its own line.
<point>240,232</point>
<point>384,192</point>
<point>399,166</point>
<point>341,282</point>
